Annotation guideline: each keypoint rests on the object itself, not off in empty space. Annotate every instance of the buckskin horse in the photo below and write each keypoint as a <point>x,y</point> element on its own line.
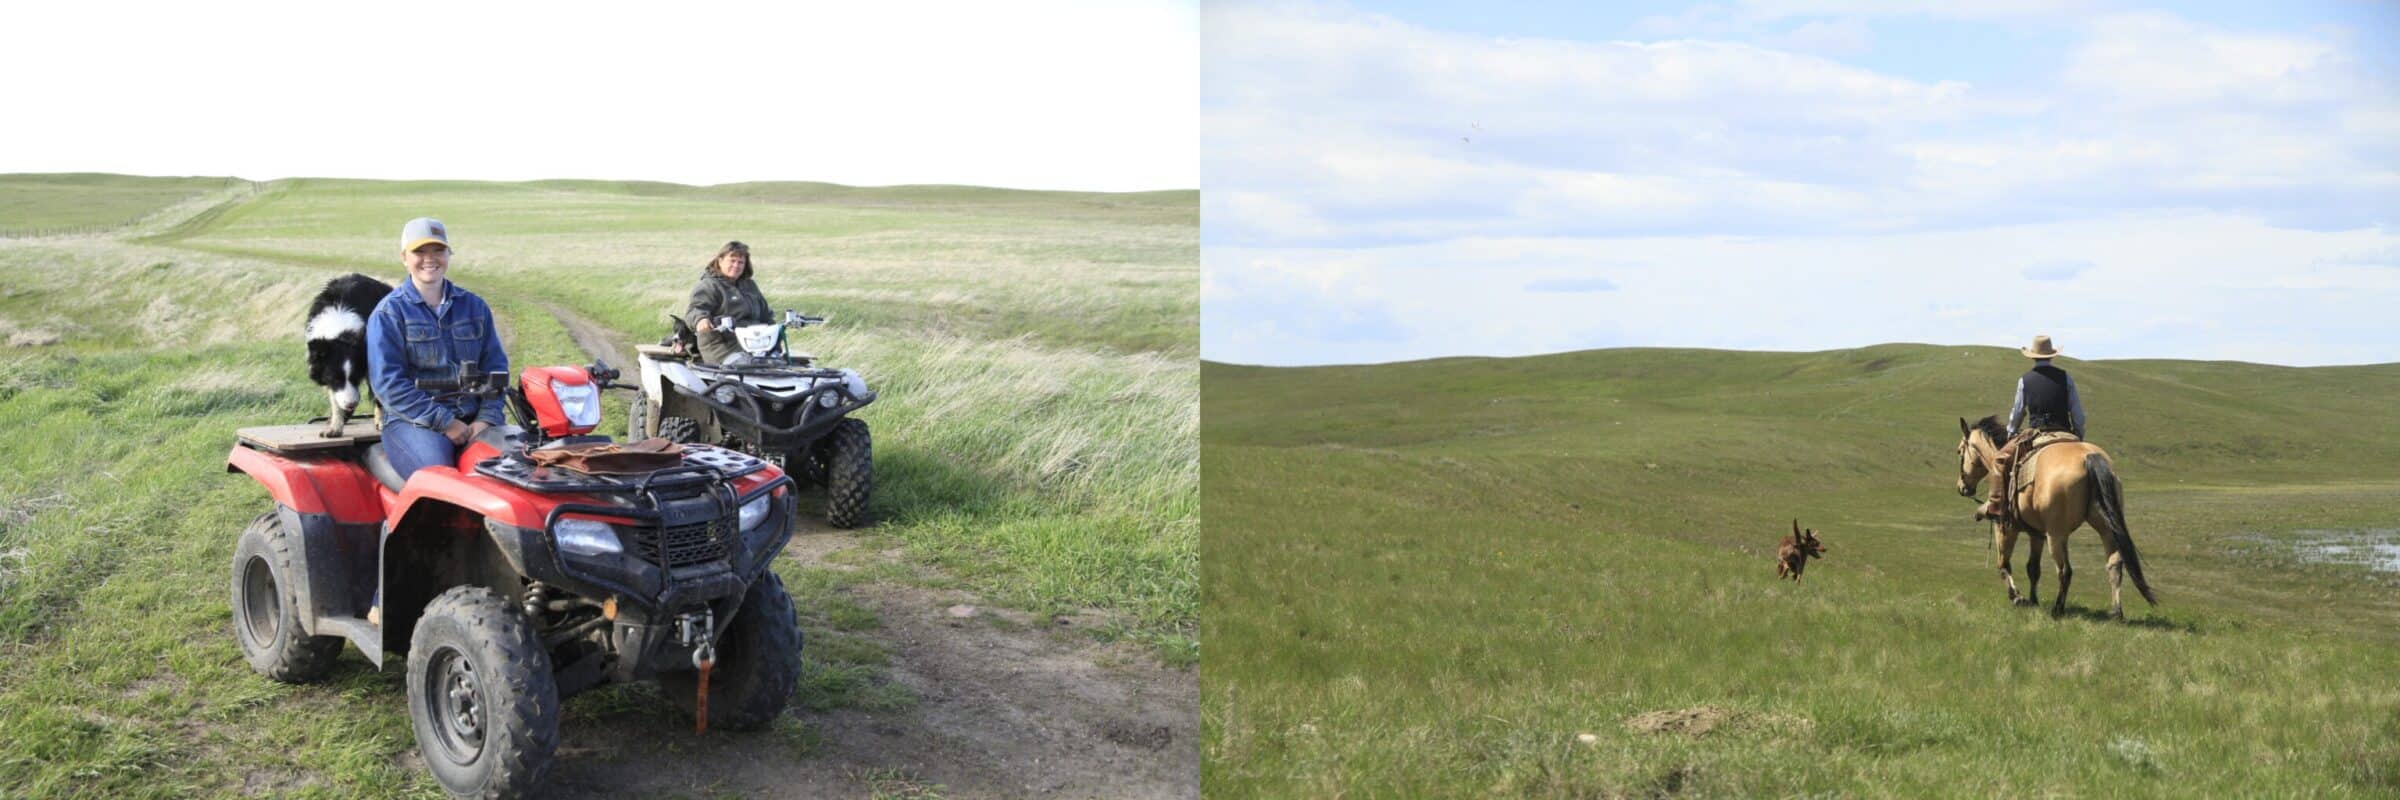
<point>2071,484</point>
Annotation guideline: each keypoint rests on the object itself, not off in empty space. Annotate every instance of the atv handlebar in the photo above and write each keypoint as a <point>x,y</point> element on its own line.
<point>602,374</point>
<point>468,381</point>
<point>790,317</point>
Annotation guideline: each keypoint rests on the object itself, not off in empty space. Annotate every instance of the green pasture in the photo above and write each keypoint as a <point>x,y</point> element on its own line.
<point>1552,576</point>
<point>1052,468</point>
<point>90,203</point>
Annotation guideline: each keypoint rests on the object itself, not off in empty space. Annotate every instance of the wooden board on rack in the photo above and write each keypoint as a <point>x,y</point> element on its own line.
<point>305,438</point>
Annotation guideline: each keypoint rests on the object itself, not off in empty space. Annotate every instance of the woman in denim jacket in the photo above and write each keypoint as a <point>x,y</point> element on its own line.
<point>425,328</point>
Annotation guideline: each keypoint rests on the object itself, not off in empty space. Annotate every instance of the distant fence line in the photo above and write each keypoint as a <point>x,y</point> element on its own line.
<point>33,233</point>
<point>81,230</point>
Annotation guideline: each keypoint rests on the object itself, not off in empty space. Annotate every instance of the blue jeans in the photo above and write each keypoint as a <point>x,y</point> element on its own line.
<point>412,447</point>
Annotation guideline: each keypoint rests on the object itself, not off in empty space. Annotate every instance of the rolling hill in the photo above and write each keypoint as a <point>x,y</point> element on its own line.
<point>1551,576</point>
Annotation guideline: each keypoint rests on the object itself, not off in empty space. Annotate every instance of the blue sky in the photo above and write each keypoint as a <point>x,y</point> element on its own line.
<point>1410,180</point>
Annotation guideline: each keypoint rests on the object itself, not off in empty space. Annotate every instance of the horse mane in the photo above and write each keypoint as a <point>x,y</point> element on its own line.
<point>1993,429</point>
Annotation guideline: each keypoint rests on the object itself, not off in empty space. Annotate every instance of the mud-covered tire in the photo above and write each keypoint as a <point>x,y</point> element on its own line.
<point>680,430</point>
<point>637,416</point>
<point>266,615</point>
<point>758,663</point>
<point>481,695</point>
<point>849,452</point>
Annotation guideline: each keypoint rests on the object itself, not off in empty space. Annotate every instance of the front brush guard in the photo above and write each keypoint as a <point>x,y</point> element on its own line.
<point>815,419</point>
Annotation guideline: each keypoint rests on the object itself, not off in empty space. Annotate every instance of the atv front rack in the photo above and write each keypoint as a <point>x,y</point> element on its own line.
<point>815,417</point>
<point>702,465</point>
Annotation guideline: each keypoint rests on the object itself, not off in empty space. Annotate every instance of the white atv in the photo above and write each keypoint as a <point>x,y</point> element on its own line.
<point>766,401</point>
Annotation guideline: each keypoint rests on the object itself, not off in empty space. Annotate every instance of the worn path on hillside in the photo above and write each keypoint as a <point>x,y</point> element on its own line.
<point>1008,706</point>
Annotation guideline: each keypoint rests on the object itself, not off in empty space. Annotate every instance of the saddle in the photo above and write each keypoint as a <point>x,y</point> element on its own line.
<point>2018,476</point>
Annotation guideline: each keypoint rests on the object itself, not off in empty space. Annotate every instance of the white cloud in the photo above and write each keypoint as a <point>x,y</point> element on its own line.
<point>2246,289</point>
<point>1831,37</point>
<point>1376,130</point>
<point>2060,269</point>
<point>1571,285</point>
<point>2159,60</point>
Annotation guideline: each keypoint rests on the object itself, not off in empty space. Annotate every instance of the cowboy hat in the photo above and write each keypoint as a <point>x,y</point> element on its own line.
<point>2041,349</point>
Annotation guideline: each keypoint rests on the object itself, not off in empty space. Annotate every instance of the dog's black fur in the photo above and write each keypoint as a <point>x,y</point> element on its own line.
<point>337,342</point>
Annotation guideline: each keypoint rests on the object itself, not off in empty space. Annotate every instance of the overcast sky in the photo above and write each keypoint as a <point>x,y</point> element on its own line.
<point>1399,181</point>
<point>1050,94</point>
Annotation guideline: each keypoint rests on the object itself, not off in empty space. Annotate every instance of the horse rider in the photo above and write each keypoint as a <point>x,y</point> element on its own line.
<point>2046,401</point>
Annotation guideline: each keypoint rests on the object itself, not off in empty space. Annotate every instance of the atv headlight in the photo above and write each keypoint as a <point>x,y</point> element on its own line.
<point>586,537</point>
<point>580,402</point>
<point>723,394</point>
<point>754,512</point>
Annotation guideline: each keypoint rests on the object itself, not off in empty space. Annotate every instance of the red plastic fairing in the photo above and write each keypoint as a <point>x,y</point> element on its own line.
<point>492,499</point>
<point>336,488</point>
<point>743,486</point>
<point>474,453</point>
<point>542,385</point>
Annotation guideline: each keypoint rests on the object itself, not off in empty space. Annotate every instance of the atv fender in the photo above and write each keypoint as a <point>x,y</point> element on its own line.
<point>333,509</point>
<point>440,538</point>
<point>337,488</point>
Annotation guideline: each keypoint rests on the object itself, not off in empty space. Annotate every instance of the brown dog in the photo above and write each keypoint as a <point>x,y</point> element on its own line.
<point>1793,555</point>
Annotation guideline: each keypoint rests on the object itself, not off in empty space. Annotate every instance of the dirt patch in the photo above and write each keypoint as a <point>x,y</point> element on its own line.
<point>593,340</point>
<point>274,783</point>
<point>32,339</point>
<point>1004,710</point>
<point>1703,720</point>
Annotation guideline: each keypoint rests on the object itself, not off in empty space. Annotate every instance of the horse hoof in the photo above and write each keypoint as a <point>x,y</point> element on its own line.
<point>2022,602</point>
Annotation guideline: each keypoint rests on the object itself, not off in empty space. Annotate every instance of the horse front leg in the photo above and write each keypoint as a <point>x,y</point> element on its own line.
<point>2066,574</point>
<point>2004,539</point>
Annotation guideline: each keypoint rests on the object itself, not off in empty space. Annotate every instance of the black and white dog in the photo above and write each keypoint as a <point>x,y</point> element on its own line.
<point>337,342</point>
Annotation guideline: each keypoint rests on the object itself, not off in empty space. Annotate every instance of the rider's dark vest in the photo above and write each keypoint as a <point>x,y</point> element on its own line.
<point>2046,401</point>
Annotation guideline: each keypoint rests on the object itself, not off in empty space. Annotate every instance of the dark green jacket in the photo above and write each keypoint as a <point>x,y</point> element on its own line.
<point>717,296</point>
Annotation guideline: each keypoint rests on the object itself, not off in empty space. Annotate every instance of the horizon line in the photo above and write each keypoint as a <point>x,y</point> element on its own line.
<point>1205,360</point>
<point>611,180</point>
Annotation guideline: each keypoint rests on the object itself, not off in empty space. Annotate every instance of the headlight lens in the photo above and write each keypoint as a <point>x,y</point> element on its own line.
<point>580,401</point>
<point>586,537</point>
<point>754,512</point>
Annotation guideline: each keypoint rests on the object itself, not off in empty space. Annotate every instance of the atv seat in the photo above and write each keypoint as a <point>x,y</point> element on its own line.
<point>380,466</point>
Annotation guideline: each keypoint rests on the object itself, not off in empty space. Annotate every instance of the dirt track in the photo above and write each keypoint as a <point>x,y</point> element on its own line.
<point>1008,707</point>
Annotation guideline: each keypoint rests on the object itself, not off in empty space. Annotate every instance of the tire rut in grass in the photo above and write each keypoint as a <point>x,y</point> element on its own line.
<point>596,342</point>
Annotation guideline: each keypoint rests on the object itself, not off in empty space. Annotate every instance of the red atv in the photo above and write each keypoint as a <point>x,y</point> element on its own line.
<point>508,585</point>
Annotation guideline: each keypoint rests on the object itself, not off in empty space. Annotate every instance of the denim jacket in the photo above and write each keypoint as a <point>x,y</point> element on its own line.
<point>408,341</point>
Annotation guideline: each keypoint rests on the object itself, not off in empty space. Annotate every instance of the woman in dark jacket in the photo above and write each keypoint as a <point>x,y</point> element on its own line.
<point>726,290</point>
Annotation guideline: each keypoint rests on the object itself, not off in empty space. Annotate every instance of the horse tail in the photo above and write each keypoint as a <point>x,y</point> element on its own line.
<point>2111,497</point>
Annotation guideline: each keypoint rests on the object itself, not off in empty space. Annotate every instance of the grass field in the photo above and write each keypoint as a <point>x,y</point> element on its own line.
<point>92,203</point>
<point>1552,577</point>
<point>1036,437</point>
